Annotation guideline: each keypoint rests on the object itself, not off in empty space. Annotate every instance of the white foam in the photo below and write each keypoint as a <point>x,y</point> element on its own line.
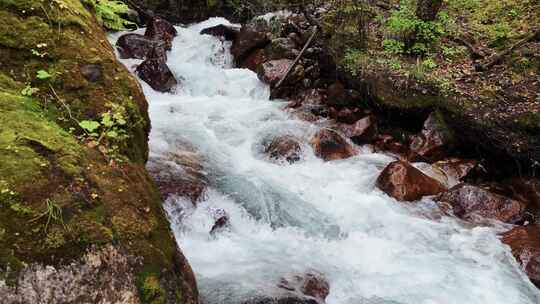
<point>284,218</point>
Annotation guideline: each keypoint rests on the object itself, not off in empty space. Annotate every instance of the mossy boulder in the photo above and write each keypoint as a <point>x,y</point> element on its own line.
<point>65,191</point>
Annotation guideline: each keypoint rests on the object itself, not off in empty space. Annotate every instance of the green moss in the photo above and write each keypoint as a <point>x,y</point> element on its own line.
<point>149,288</point>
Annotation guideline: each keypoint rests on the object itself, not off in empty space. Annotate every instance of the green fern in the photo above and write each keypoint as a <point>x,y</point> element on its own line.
<point>108,13</point>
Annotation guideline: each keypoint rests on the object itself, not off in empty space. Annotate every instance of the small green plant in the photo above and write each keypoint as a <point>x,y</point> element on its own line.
<point>109,12</point>
<point>43,75</point>
<point>109,132</point>
<point>53,213</point>
<point>28,90</point>
<point>393,47</point>
<point>429,63</point>
<point>354,60</point>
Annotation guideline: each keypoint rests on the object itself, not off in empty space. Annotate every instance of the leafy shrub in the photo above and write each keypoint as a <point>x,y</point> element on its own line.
<point>109,12</point>
<point>417,36</point>
<point>393,46</point>
<point>354,60</point>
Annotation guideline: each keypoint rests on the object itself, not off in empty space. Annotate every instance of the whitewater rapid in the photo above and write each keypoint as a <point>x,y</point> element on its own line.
<point>312,215</point>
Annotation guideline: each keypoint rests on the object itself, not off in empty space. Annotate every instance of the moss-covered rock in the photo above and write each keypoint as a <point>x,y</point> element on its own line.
<point>63,189</point>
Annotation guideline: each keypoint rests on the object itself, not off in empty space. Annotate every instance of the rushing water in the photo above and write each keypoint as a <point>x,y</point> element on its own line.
<point>326,216</point>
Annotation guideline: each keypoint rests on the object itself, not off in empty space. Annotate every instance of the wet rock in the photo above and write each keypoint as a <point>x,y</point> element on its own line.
<point>454,170</point>
<point>254,61</point>
<point>281,48</point>
<point>134,46</point>
<point>387,143</point>
<point>155,71</point>
<point>179,174</point>
<point>347,115</point>
<point>284,148</point>
<point>228,33</point>
<point>159,29</point>
<point>329,145</point>
<point>222,222</point>
<point>307,288</point>
<point>252,36</point>
<point>91,72</point>
<point>362,132</point>
<point>525,244</point>
<point>404,182</point>
<point>528,191</point>
<point>473,203</point>
<point>312,284</point>
<point>273,71</point>
<point>434,141</point>
<point>310,97</point>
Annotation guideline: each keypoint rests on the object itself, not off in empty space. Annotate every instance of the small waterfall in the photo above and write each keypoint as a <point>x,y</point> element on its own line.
<point>326,216</point>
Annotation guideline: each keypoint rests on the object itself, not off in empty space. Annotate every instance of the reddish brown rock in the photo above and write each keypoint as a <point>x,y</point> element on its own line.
<point>474,204</point>
<point>362,132</point>
<point>387,143</point>
<point>254,61</point>
<point>226,32</point>
<point>271,72</point>
<point>310,97</point>
<point>347,115</point>
<point>159,29</point>
<point>284,148</point>
<point>453,170</point>
<point>91,72</point>
<point>528,191</point>
<point>434,142</point>
<point>404,182</point>
<point>312,284</point>
<point>525,244</point>
<point>134,46</point>
<point>329,145</point>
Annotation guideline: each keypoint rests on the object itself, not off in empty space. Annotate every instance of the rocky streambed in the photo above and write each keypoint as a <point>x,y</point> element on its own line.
<point>312,196</point>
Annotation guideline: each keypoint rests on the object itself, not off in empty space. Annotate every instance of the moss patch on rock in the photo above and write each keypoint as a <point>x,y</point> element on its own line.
<point>60,194</point>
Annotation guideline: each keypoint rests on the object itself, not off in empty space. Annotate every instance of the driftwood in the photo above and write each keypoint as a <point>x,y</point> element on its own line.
<point>493,60</point>
<point>291,67</point>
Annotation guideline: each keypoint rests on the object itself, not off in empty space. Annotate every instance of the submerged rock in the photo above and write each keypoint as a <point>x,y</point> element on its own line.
<point>525,245</point>
<point>312,284</point>
<point>179,174</point>
<point>226,32</point>
<point>221,223</point>
<point>284,148</point>
<point>435,140</point>
<point>473,203</point>
<point>329,145</point>
<point>404,182</point>
<point>307,288</point>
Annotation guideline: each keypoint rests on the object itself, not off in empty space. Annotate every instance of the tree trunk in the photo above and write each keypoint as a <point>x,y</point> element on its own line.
<point>427,10</point>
